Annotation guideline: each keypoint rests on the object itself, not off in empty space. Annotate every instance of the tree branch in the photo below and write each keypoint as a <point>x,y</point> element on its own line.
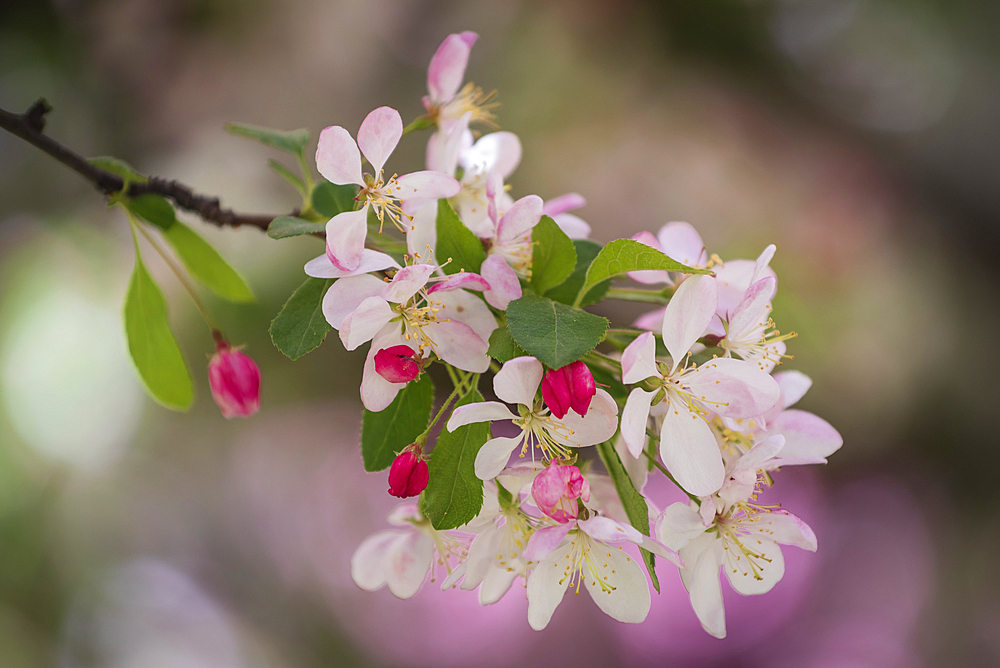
<point>30,127</point>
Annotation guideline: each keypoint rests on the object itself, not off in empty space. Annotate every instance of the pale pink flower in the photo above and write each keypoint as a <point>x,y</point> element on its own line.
<point>517,383</point>
<point>510,236</point>
<point>338,159</point>
<point>558,209</point>
<point>691,395</point>
<point>556,489</point>
<point>447,100</point>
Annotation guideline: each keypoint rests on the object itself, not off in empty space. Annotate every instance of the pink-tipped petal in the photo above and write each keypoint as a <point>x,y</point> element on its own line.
<point>368,320</point>
<point>683,243</point>
<point>573,226</point>
<point>520,218</point>
<point>545,540</point>
<point>426,185</point>
<point>504,285</point>
<point>458,344</point>
<point>635,416</point>
<point>337,157</point>
<point>794,385</point>
<point>639,359</point>
<point>445,147</point>
<point>806,435</point>
<point>322,267</point>
<point>761,266</point>
<point>378,135</point>
<point>563,203</point>
<point>407,282</point>
<point>687,316</point>
<point>652,321</point>
<point>346,295</point>
<point>447,68</point>
<point>497,151</point>
<point>734,388</point>
<point>465,280</point>
<point>752,313</point>
<point>345,239</point>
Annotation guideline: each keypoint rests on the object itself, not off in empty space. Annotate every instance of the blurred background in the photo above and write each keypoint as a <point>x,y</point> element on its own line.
<point>862,137</point>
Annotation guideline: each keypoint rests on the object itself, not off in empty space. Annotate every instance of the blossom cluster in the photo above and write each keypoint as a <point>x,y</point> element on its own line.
<point>688,391</point>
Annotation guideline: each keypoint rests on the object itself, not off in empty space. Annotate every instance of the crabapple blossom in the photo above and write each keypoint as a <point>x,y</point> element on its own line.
<point>556,489</point>
<point>445,102</point>
<point>408,474</point>
<point>572,386</point>
<point>558,210</point>
<point>510,236</point>
<point>338,159</point>
<point>517,383</point>
<point>396,364</point>
<point>690,394</point>
<point>235,381</point>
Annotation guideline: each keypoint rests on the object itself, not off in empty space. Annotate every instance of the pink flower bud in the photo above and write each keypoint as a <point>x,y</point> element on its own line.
<point>556,489</point>
<point>235,381</point>
<point>572,386</point>
<point>408,474</point>
<point>396,364</point>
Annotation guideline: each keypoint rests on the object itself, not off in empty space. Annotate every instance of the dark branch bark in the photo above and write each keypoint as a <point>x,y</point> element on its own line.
<point>30,127</point>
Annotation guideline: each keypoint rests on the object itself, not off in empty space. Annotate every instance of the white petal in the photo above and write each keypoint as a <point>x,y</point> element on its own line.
<point>408,560</point>
<point>705,589</point>
<point>426,185</point>
<point>690,452</point>
<point>504,286</point>
<point>734,388</point>
<point>346,295</point>
<point>793,384</point>
<point>574,226</point>
<point>769,567</point>
<point>443,147</point>
<point>493,456</point>
<point>378,135</point>
<point>371,260</point>
<point>683,243</point>
<point>687,316</point>
<point>377,392</point>
<point>337,157</point>
<point>629,601</point>
<point>546,539</point>
<point>516,478</point>
<point>518,380</point>
<point>598,425</point>
<point>407,282</point>
<point>368,320</point>
<point>465,307</point>
<point>520,218</point>
<point>760,268</point>
<point>547,584</point>
<point>635,417</point>
<point>482,411</point>
<point>806,435</point>
<point>496,583</point>
<point>609,531</point>
<point>752,312</point>
<point>500,151</point>
<point>480,558</point>
<point>636,467</point>
<point>367,564</point>
<point>678,525</point>
<point>345,238</point>
<point>457,344</point>
<point>639,359</point>
<point>421,238</point>
<point>787,529</point>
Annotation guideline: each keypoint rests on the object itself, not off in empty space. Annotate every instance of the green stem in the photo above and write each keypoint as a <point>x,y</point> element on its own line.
<point>307,177</point>
<point>419,123</point>
<point>645,296</point>
<point>460,389</point>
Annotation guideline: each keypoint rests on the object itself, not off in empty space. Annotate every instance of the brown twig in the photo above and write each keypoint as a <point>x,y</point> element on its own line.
<point>30,127</point>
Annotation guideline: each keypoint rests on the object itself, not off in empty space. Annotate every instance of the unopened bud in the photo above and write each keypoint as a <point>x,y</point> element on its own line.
<point>408,474</point>
<point>572,386</point>
<point>396,364</point>
<point>556,489</point>
<point>235,381</point>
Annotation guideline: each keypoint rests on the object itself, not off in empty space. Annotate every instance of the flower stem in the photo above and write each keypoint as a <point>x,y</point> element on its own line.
<point>459,389</point>
<point>644,296</point>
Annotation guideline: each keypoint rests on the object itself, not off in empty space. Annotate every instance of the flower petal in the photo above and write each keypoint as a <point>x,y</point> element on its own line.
<point>544,540</point>
<point>421,238</point>
<point>377,392</point>
<point>806,435</point>
<point>598,425</point>
<point>683,243</point>
<point>635,417</point>
<point>639,359</point>
<point>734,388</point>
<point>629,600</point>
<point>496,584</point>
<point>481,411</point>
<point>547,584</point>
<point>678,525</point>
<point>636,467</point>
<point>444,147</point>
<point>607,530</point>
<point>407,562</point>
<point>787,529</point>
<point>520,218</point>
<point>793,384</point>
<point>688,314</point>
<point>752,312</point>
<point>426,185</point>
<point>346,295</point>
<point>459,345</point>
<point>563,203</point>
<point>497,151</point>
<point>378,135</point>
<point>465,280</point>
<point>337,157</point>
<point>761,268</point>
<point>407,282</point>
<point>365,322</point>
<point>322,267</point>
<point>690,452</point>
<point>518,380</point>
<point>767,569</point>
<point>462,306</point>
<point>345,238</point>
<point>574,226</point>
<point>704,587</point>
<point>504,286</point>
<point>367,563</point>
<point>493,456</point>
<point>447,67</point>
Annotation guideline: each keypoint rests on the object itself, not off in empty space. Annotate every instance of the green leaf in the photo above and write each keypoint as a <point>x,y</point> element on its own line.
<point>623,255</point>
<point>566,293</point>
<point>329,199</point>
<point>152,346</point>
<point>456,242</point>
<point>206,265</point>
<point>293,141</point>
<point>386,433</point>
<point>502,346</point>
<point>553,256</point>
<point>554,333</point>
<point>454,494</point>
<point>290,226</point>
<point>633,502</point>
<point>119,167</point>
<point>153,209</point>
<point>300,325</point>
<point>287,174</point>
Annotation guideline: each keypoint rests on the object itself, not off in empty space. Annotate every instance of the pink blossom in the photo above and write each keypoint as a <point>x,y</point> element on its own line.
<point>447,100</point>
<point>556,489</point>
<point>572,386</point>
<point>558,209</point>
<point>235,381</point>
<point>396,364</point>
<point>408,474</point>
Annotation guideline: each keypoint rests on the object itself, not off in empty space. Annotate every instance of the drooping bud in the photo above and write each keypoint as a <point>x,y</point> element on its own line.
<point>408,474</point>
<point>235,381</point>
<point>556,489</point>
<point>572,386</point>
<point>396,364</point>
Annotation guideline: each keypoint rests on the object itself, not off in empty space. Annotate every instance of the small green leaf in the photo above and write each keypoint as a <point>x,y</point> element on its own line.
<point>290,226</point>
<point>633,502</point>
<point>206,265</point>
<point>454,494</point>
<point>153,209</point>
<point>566,293</point>
<point>554,333</point>
<point>119,167</point>
<point>502,346</point>
<point>293,141</point>
<point>152,346</point>
<point>287,174</point>
<point>329,199</point>
<point>300,325</point>
<point>553,256</point>
<point>456,242</point>
<point>624,255</point>
<point>386,433</point>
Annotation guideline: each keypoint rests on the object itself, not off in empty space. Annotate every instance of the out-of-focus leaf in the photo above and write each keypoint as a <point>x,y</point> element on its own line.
<point>293,141</point>
<point>206,265</point>
<point>290,226</point>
